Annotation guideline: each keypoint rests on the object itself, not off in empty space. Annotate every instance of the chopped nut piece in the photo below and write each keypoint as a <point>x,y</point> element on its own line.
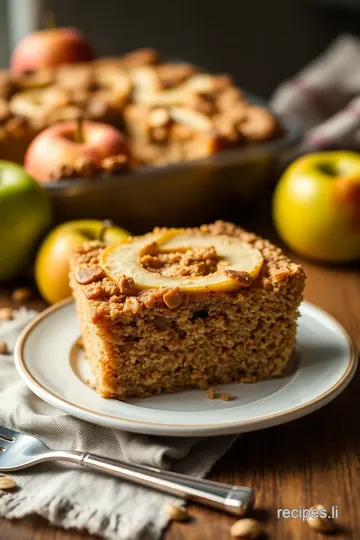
<point>126,285</point>
<point>177,513</point>
<point>226,128</point>
<point>174,74</point>
<point>89,275</point>
<point>259,124</point>
<point>21,294</point>
<point>280,276</point>
<point>225,396</point>
<point>204,103</point>
<point>94,291</point>
<point>151,297</point>
<point>85,167</point>
<point>211,393</point>
<point>133,305</point>
<point>6,482</point>
<point>243,278</point>
<point>6,314</point>
<point>3,347</point>
<point>64,171</point>
<point>173,299</point>
<point>229,97</point>
<point>246,528</point>
<point>115,164</point>
<point>321,521</point>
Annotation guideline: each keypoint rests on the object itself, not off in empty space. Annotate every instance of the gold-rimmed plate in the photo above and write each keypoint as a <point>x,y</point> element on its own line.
<point>55,370</point>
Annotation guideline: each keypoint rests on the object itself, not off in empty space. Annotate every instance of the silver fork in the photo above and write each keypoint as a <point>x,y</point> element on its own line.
<point>18,451</point>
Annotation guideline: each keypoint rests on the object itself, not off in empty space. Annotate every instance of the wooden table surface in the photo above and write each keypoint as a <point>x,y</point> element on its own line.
<point>314,460</point>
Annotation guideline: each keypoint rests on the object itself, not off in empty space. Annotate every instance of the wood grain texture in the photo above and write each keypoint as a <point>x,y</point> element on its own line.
<point>309,461</point>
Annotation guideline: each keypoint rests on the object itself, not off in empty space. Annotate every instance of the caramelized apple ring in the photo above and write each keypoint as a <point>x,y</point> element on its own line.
<point>37,103</point>
<point>34,79</point>
<point>145,82</point>
<point>190,118</point>
<point>75,77</point>
<point>200,83</point>
<point>240,257</point>
<point>112,85</point>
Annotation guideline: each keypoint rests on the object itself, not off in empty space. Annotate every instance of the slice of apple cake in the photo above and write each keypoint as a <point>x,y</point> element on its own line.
<point>185,308</point>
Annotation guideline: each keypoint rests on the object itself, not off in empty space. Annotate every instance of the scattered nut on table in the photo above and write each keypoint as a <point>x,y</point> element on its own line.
<point>3,347</point>
<point>177,513</point>
<point>246,528</point>
<point>6,314</point>
<point>21,294</point>
<point>323,523</point>
<point>6,482</point>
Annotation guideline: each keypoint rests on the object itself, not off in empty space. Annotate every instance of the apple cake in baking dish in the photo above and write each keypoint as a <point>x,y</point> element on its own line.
<point>185,308</point>
<point>171,111</point>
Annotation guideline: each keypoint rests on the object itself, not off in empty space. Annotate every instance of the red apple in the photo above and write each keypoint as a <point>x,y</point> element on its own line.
<point>61,145</point>
<point>48,48</point>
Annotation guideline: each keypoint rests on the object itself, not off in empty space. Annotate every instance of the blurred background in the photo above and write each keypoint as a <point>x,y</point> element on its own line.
<point>260,42</point>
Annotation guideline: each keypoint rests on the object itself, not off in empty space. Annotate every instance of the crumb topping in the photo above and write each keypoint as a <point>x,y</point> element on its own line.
<point>192,262</point>
<point>112,297</point>
<point>211,393</point>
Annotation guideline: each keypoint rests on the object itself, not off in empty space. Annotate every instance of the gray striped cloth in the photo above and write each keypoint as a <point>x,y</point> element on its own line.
<point>325,98</point>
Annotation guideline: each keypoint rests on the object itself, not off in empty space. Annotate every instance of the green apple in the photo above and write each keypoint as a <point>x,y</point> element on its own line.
<point>316,206</point>
<point>52,261</point>
<point>25,215</point>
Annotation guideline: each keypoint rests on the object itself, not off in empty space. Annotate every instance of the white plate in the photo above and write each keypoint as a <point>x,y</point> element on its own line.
<point>55,369</point>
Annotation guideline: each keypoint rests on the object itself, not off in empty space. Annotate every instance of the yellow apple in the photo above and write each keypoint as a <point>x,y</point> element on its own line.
<point>52,261</point>
<point>316,206</point>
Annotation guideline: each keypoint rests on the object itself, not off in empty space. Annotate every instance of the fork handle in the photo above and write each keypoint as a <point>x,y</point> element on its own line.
<point>229,498</point>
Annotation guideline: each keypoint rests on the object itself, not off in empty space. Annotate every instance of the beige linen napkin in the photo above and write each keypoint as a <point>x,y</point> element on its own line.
<point>70,496</point>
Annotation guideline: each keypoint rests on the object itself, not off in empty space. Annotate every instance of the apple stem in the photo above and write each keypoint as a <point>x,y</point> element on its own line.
<point>79,132</point>
<point>49,20</point>
<point>106,224</point>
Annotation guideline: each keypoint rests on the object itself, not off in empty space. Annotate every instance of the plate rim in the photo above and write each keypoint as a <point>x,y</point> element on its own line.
<point>145,426</point>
